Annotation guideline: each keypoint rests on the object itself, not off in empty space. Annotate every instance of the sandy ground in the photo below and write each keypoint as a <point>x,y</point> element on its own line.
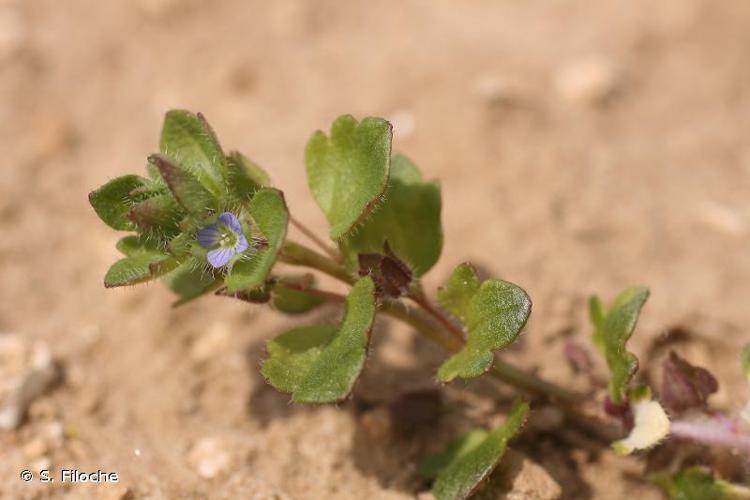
<point>582,147</point>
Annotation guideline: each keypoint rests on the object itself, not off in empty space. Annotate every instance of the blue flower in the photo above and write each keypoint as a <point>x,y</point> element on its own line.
<point>224,239</point>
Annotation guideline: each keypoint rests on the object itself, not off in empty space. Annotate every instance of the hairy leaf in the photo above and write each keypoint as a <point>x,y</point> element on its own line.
<point>697,483</point>
<point>184,186</point>
<point>319,364</point>
<point>348,171</point>
<point>408,220</point>
<point>493,312</point>
<point>190,281</point>
<point>133,244</point>
<point>189,141</point>
<point>112,201</point>
<point>159,215</point>
<point>138,269</point>
<point>612,331</point>
<point>650,424</point>
<point>270,213</point>
<point>245,176</point>
<point>472,458</point>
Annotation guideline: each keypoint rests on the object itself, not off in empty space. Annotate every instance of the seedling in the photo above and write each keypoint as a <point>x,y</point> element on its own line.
<point>208,222</point>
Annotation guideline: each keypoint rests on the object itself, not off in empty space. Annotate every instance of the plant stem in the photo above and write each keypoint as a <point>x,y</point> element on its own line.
<point>297,254</point>
<point>333,253</point>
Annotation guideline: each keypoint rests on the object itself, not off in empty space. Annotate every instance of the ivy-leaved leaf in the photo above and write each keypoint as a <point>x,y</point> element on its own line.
<point>187,139</point>
<point>321,363</point>
<point>268,210</point>
<point>494,313</point>
<point>408,219</point>
<point>347,172</point>
<point>612,329</point>
<point>467,461</point>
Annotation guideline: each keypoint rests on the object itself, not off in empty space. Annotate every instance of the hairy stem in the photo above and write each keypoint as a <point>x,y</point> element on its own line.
<point>424,321</point>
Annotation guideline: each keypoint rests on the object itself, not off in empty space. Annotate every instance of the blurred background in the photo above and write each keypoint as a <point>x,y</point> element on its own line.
<point>582,147</point>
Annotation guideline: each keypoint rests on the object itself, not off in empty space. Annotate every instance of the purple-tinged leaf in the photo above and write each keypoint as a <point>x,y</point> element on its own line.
<point>685,386</point>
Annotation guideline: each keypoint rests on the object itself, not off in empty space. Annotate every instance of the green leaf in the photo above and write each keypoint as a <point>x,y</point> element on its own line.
<point>112,201</point>
<point>463,284</point>
<point>697,483</point>
<point>191,280</point>
<point>189,141</point>
<point>431,466</point>
<point>615,328</point>
<point>472,458</point>
<point>746,362</point>
<point>294,301</point>
<point>493,313</point>
<point>408,219</point>
<point>597,316</point>
<point>270,213</point>
<point>159,215</point>
<point>245,176</point>
<point>319,364</point>
<point>133,245</point>
<point>184,186</point>
<point>347,172</point>
<point>138,269</point>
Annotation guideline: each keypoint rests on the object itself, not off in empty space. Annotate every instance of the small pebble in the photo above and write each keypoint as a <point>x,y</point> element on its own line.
<point>209,457</point>
<point>211,343</point>
<point>592,80</point>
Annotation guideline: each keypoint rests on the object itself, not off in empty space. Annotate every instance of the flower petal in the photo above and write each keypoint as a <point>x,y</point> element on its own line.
<point>208,237</point>
<point>242,244</point>
<point>231,221</point>
<point>220,257</point>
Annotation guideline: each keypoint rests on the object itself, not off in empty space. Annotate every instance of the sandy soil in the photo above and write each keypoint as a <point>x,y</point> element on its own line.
<point>582,147</point>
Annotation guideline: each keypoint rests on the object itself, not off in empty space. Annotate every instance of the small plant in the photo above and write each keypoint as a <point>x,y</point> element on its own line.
<point>207,222</point>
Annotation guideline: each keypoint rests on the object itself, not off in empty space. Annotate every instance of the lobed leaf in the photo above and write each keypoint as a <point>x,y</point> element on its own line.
<point>472,458</point>
<point>612,331</point>
<point>113,201</point>
<point>494,313</point>
<point>270,213</point>
<point>187,139</point>
<point>408,220</point>
<point>319,364</point>
<point>650,425</point>
<point>185,188</point>
<point>697,483</point>
<point>347,172</point>
<point>138,269</point>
